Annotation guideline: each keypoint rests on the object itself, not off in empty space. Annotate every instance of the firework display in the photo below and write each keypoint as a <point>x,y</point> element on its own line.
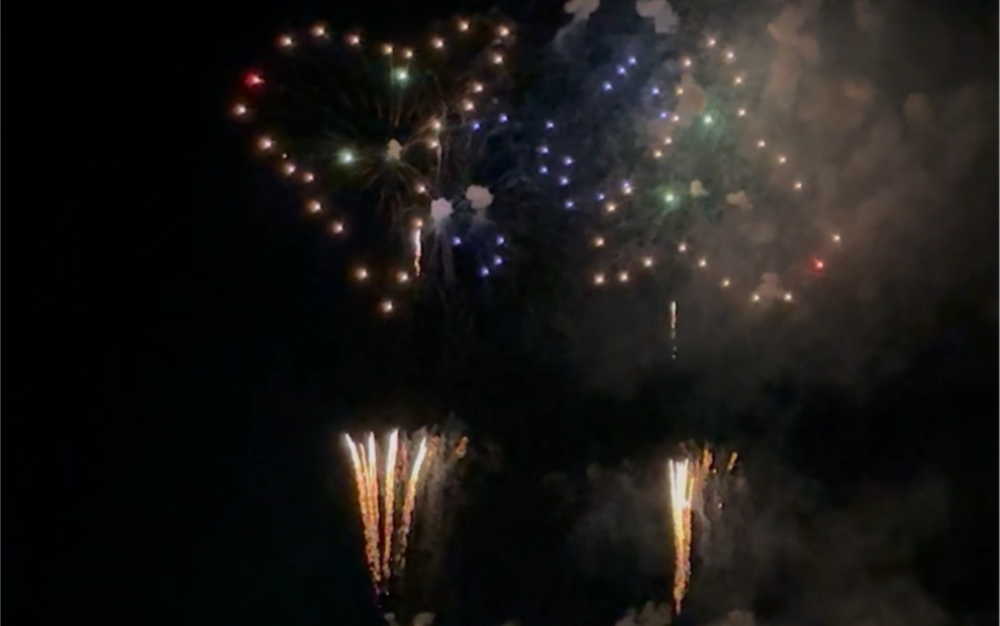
<point>681,169</point>
<point>707,157</point>
<point>536,215</point>
<point>692,493</point>
<point>390,478</point>
<point>383,140</point>
<point>661,156</point>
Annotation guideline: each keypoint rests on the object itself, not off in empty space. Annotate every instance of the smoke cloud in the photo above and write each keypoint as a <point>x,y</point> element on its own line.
<point>652,614</point>
<point>394,150</point>
<point>621,530</point>
<point>581,9</point>
<point>441,211</point>
<point>781,547</point>
<point>479,198</point>
<point>420,619</point>
<point>665,21</point>
<point>894,147</point>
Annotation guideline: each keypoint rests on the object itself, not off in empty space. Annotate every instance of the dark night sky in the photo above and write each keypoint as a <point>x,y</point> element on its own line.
<point>199,349</point>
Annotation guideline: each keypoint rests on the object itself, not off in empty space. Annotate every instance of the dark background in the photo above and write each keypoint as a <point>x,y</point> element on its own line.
<point>191,348</point>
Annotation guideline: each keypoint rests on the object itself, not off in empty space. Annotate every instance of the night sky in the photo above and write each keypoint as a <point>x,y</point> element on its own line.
<point>201,350</point>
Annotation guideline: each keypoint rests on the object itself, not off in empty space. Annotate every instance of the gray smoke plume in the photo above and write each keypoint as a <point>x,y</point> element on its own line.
<point>896,148</point>
<point>622,529</point>
<point>779,539</point>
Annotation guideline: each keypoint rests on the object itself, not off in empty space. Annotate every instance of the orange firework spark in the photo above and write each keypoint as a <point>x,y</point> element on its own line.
<point>410,500</point>
<point>687,480</point>
<point>360,478</point>
<point>682,482</point>
<point>389,499</point>
<point>377,501</point>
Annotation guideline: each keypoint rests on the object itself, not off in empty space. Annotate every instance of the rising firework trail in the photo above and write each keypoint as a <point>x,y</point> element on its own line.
<point>688,479</point>
<point>361,480</point>
<point>389,499</point>
<point>673,329</point>
<point>682,482</point>
<point>410,500</point>
<point>378,487</point>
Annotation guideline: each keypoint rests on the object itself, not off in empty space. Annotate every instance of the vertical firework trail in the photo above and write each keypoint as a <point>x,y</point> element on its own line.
<point>688,480</point>
<point>361,480</point>
<point>418,249</point>
<point>681,479</point>
<point>371,493</point>
<point>411,497</point>
<point>377,501</point>
<point>673,329</point>
<point>389,496</point>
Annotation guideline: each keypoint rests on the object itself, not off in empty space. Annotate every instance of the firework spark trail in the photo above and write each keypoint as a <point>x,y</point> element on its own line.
<point>360,483</point>
<point>371,466</point>
<point>688,493</point>
<point>681,479</point>
<point>417,250</point>
<point>673,329</point>
<point>411,496</point>
<point>370,532</point>
<point>387,523</point>
<point>389,496</point>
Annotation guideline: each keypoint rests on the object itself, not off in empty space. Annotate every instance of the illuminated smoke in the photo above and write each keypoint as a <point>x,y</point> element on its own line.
<point>479,197</point>
<point>394,150</point>
<point>441,211</point>
<point>665,21</point>
<point>581,9</point>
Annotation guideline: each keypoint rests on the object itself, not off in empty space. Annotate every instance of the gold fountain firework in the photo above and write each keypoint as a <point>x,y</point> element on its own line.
<point>380,486</point>
<point>687,479</point>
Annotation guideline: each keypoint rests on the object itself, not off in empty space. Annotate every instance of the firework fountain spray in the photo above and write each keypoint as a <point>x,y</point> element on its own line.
<point>688,482</point>
<point>680,475</point>
<point>410,500</point>
<point>371,539</point>
<point>389,499</point>
<point>377,494</point>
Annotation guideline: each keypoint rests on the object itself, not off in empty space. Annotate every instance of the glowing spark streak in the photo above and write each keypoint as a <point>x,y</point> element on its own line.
<point>371,527</point>
<point>411,495</point>
<point>371,533</point>
<point>386,537</point>
<point>681,480</point>
<point>389,497</point>
<point>371,470</point>
<point>673,329</point>
<point>417,250</point>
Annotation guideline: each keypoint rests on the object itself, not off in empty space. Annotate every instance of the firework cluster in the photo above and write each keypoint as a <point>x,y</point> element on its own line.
<point>382,140</point>
<point>704,153</point>
<point>661,156</point>
<point>386,530</point>
<point>409,134</point>
<point>389,477</point>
